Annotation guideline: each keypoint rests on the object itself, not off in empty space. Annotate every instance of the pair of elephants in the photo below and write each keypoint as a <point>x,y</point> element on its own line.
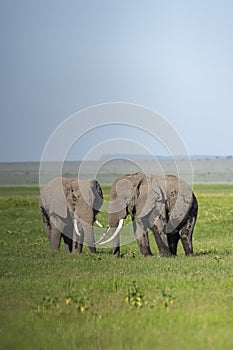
<point>164,204</point>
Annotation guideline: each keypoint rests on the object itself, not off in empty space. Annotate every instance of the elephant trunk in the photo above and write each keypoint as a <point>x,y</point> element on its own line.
<point>114,216</point>
<point>115,238</point>
<point>89,235</point>
<point>83,230</point>
<point>115,223</point>
<point>115,232</point>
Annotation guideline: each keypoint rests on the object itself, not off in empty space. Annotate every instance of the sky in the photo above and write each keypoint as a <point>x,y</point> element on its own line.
<point>60,57</point>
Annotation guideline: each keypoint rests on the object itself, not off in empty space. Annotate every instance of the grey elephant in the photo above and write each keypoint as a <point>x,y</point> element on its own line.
<point>69,207</point>
<point>164,204</point>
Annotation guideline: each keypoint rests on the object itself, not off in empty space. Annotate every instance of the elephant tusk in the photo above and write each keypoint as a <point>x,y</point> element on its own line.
<point>98,223</point>
<point>103,235</point>
<point>115,234</point>
<point>76,227</point>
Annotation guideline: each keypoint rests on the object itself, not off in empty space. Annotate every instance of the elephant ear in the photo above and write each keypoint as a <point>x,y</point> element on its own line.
<point>58,202</point>
<point>82,189</point>
<point>179,200</point>
<point>96,195</point>
<point>150,197</point>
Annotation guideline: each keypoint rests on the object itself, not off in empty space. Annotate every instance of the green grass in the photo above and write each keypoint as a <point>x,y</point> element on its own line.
<point>64,301</point>
<point>216,189</point>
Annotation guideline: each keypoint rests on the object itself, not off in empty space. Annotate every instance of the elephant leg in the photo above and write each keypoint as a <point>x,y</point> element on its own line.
<point>46,222</point>
<point>53,233</point>
<point>161,239</point>
<point>77,246</point>
<point>173,239</point>
<point>55,239</point>
<point>116,246</point>
<point>186,233</point>
<point>68,243</point>
<point>141,235</point>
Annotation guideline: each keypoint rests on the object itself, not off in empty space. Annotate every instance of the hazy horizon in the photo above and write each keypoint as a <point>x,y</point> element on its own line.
<point>208,170</point>
<point>130,157</point>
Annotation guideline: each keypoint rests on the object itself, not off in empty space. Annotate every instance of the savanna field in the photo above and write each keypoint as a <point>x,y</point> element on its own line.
<point>67,301</point>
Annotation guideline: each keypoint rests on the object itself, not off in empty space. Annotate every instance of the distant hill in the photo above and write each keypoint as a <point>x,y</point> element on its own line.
<point>107,157</point>
<point>159,157</point>
<point>205,169</point>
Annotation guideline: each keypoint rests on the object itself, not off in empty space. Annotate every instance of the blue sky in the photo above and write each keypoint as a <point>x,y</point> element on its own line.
<point>58,57</point>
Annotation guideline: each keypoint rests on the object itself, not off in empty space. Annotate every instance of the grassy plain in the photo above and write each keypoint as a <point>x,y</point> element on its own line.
<point>64,301</point>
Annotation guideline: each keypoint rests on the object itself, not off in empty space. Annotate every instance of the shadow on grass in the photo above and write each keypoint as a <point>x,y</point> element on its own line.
<point>212,251</point>
<point>205,252</point>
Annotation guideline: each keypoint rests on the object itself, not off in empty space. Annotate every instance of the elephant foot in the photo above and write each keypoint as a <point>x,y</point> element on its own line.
<point>173,239</point>
<point>145,250</point>
<point>143,245</point>
<point>77,247</point>
<point>189,253</point>
<point>116,252</point>
<point>187,245</point>
<point>147,254</point>
<point>165,253</point>
<point>92,250</point>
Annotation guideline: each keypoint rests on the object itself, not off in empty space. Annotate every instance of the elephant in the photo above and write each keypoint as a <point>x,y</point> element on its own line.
<point>69,207</point>
<point>165,204</point>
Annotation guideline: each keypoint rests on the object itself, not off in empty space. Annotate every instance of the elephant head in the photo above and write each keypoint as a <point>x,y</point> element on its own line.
<point>69,208</point>
<point>164,204</point>
<point>140,196</point>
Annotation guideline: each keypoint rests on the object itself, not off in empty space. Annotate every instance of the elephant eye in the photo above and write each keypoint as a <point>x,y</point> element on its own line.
<point>74,198</point>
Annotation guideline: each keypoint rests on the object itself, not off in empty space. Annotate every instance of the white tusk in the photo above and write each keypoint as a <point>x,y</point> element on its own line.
<point>115,233</point>
<point>103,235</point>
<point>98,223</point>
<point>76,227</point>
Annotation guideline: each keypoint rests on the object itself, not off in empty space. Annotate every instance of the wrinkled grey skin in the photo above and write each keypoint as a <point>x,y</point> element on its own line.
<point>64,199</point>
<point>164,204</point>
